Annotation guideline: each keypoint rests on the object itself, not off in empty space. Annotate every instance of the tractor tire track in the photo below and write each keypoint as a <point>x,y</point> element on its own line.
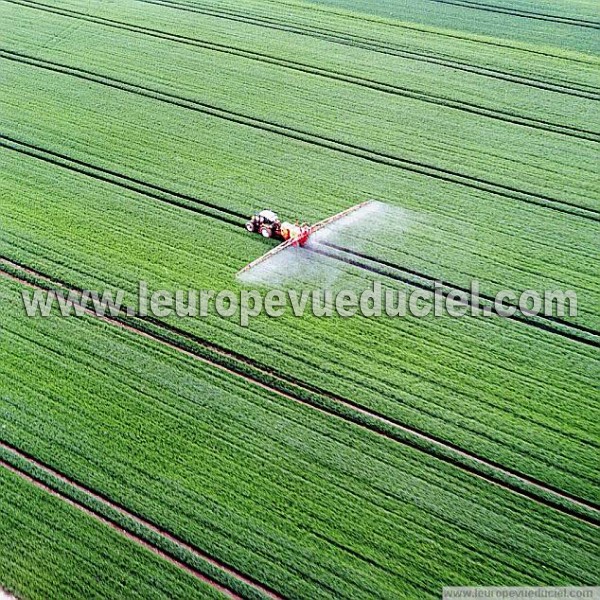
<point>394,497</point>
<point>513,12</point>
<point>329,143</point>
<point>374,45</point>
<point>325,402</point>
<point>139,541</point>
<point>224,351</point>
<point>41,475</point>
<point>332,74</point>
<point>156,192</point>
<point>385,492</point>
<point>566,329</point>
<point>552,324</point>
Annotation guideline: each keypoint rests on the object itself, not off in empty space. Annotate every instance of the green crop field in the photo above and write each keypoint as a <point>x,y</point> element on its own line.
<point>300,457</point>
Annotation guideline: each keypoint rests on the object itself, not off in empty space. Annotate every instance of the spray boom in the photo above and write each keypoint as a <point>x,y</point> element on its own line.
<point>268,225</point>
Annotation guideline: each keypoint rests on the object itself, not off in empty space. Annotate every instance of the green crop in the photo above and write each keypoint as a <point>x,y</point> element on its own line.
<point>272,488</point>
<point>137,137</point>
<point>49,549</point>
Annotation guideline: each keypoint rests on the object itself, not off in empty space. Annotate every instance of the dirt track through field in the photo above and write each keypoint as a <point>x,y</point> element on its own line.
<point>112,524</point>
<point>314,139</point>
<point>374,45</point>
<point>447,102</point>
<point>331,404</point>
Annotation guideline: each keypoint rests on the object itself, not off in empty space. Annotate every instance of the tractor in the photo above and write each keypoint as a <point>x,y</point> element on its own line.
<point>267,223</point>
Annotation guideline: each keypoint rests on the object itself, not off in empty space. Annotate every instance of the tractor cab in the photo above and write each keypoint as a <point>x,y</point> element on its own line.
<point>266,223</point>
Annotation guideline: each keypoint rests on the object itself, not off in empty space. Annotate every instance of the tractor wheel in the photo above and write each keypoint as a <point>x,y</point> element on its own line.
<point>250,226</point>
<point>266,232</point>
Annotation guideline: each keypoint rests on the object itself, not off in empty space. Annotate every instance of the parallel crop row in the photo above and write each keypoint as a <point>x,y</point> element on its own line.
<point>559,325</point>
<point>529,14</point>
<point>396,90</point>
<point>245,492</point>
<point>38,528</point>
<point>402,131</point>
<point>323,141</point>
<point>376,46</point>
<point>291,387</point>
<point>403,372</point>
<point>313,457</point>
<point>461,22</point>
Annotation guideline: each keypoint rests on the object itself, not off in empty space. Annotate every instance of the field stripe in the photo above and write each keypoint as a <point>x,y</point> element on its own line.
<point>314,139</point>
<point>551,324</point>
<point>528,14</point>
<point>326,402</point>
<point>118,526</point>
<point>374,45</point>
<point>395,90</point>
